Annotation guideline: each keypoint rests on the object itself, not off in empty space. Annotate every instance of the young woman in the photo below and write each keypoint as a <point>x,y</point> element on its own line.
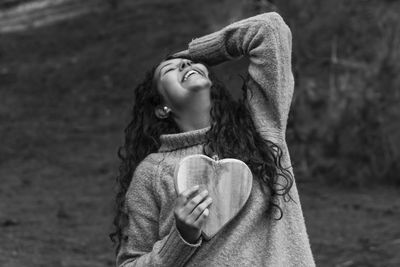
<point>181,109</point>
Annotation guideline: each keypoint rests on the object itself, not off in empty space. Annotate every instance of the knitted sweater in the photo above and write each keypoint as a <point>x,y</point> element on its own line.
<point>251,238</point>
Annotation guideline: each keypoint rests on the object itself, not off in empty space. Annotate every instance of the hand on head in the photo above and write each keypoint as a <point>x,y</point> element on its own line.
<point>183,54</point>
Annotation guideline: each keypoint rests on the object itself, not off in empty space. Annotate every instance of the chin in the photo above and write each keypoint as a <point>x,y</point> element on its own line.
<point>199,84</point>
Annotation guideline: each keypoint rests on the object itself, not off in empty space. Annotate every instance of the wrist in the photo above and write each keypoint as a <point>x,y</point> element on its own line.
<point>192,240</point>
<point>209,49</point>
<point>189,238</point>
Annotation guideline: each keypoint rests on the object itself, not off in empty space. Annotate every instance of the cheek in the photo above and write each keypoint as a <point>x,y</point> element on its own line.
<point>172,91</point>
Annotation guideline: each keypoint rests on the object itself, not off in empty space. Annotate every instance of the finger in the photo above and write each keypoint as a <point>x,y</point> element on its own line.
<point>187,194</point>
<point>201,208</point>
<point>184,53</point>
<point>189,191</point>
<point>192,204</point>
<point>201,219</point>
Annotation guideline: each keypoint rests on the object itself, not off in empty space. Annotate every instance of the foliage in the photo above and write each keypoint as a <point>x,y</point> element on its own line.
<point>344,122</point>
<point>344,125</point>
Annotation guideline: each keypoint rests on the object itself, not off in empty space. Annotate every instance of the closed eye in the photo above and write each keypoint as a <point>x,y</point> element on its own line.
<point>168,70</point>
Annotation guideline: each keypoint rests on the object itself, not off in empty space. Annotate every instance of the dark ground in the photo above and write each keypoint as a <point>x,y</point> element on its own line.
<point>64,101</point>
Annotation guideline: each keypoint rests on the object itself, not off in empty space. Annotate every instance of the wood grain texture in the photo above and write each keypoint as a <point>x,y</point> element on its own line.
<point>228,182</point>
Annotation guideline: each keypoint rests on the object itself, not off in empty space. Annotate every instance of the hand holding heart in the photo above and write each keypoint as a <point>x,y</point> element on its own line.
<point>228,182</point>
<point>190,212</point>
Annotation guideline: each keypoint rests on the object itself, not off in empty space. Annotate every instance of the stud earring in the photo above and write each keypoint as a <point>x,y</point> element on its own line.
<point>162,112</point>
<point>166,109</point>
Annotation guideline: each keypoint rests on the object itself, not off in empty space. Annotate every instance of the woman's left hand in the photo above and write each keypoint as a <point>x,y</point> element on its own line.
<point>183,53</point>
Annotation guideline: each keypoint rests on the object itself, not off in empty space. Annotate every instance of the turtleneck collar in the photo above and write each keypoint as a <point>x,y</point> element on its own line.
<point>170,142</point>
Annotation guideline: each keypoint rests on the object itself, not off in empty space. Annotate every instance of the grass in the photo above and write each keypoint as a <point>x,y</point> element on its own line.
<point>64,101</point>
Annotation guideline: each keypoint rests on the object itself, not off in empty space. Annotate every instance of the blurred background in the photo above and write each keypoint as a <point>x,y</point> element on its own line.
<point>67,73</point>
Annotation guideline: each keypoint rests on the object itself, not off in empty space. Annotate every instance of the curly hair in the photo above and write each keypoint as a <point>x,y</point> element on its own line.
<point>232,135</point>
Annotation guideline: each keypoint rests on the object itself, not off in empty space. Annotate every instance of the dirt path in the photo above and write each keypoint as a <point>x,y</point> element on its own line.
<point>353,227</point>
<point>41,13</point>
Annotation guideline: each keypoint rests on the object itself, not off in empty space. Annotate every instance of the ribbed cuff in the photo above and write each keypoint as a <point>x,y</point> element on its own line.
<point>176,251</point>
<point>213,48</point>
<point>209,48</point>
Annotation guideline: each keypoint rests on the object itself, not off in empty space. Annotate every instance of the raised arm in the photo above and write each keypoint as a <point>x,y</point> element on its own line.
<point>267,41</point>
<point>141,245</point>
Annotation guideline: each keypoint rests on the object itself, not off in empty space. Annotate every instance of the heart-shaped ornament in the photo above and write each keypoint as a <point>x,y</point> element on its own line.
<point>228,182</point>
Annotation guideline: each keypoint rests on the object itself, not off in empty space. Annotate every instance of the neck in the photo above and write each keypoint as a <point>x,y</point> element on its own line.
<point>196,114</point>
<point>193,121</point>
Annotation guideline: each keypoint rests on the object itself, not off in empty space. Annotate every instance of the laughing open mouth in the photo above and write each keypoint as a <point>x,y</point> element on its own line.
<point>189,73</point>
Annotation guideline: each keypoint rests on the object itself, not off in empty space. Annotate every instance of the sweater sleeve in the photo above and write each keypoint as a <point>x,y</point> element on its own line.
<point>140,244</point>
<point>266,40</point>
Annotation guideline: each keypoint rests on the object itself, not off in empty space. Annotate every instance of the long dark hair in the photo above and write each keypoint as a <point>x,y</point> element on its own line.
<point>232,135</point>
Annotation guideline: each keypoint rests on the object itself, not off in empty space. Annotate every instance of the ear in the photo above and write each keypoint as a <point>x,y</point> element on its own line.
<point>162,111</point>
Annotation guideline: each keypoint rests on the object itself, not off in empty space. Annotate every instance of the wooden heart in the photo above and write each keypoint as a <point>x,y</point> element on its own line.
<point>228,182</point>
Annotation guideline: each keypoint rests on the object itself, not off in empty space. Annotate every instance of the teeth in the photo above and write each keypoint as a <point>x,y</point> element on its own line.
<point>190,72</point>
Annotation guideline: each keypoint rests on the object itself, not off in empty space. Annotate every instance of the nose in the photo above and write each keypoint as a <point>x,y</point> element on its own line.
<point>184,63</point>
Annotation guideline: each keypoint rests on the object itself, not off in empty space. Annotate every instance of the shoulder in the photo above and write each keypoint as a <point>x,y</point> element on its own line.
<point>149,164</point>
<point>142,192</point>
<point>145,173</point>
<point>142,187</point>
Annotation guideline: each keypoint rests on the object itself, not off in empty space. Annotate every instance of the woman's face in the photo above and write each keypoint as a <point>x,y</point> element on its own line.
<point>179,81</point>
